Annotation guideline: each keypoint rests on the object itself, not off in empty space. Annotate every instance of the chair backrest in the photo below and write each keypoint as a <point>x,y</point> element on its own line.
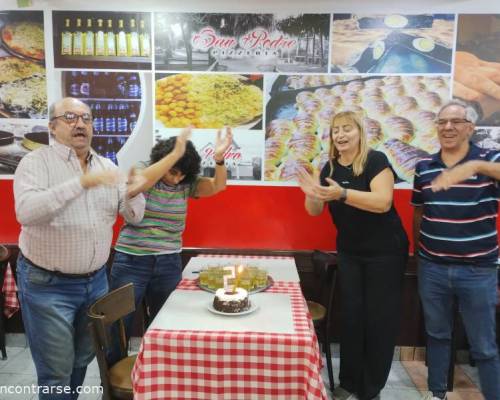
<point>107,310</point>
<point>4,254</point>
<point>325,271</point>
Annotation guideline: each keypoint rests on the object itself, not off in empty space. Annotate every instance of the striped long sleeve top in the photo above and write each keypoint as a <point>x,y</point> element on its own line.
<point>458,225</point>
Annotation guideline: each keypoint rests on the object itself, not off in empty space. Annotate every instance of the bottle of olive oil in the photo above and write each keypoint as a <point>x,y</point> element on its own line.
<point>133,40</point>
<point>66,39</point>
<point>99,39</point>
<point>78,38</point>
<point>121,40</point>
<point>110,40</point>
<point>89,40</point>
<point>144,40</point>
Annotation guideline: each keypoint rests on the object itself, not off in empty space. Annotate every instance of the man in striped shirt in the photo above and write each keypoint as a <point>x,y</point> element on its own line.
<point>455,195</point>
<point>67,198</point>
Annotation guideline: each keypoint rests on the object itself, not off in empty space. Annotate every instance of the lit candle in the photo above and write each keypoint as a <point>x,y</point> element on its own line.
<point>238,276</point>
<point>226,277</point>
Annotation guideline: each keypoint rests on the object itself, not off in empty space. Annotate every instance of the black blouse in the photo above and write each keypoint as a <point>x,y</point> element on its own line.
<point>362,232</point>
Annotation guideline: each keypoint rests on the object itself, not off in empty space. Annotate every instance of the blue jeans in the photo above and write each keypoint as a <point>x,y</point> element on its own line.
<point>153,276</point>
<point>54,311</point>
<point>476,291</point>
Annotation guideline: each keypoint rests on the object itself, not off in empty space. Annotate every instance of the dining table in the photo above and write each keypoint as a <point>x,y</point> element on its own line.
<point>190,352</point>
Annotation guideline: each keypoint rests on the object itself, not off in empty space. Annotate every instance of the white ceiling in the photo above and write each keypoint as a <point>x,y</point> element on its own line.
<point>281,6</point>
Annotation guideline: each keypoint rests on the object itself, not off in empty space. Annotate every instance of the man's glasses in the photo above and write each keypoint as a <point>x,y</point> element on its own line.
<point>72,118</point>
<point>453,121</point>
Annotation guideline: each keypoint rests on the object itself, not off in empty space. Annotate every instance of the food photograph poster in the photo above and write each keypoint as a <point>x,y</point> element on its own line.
<point>277,79</point>
<point>23,87</point>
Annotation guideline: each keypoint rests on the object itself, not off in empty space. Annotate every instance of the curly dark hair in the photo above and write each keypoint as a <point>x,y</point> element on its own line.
<point>188,164</point>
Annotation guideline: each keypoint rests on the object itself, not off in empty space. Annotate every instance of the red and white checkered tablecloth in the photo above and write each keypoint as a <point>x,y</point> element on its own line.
<point>9,290</point>
<point>211,365</point>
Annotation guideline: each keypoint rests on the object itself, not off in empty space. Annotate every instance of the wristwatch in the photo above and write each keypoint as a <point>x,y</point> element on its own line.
<point>219,162</point>
<point>343,195</point>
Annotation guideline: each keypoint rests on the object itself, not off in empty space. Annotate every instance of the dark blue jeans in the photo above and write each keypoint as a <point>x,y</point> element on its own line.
<point>476,291</point>
<point>54,311</point>
<point>153,276</point>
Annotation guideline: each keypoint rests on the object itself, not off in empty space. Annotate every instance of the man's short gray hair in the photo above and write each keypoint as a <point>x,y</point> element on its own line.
<point>470,113</point>
<point>55,104</point>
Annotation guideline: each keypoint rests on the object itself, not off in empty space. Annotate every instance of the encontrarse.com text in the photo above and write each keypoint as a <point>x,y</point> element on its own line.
<point>35,389</point>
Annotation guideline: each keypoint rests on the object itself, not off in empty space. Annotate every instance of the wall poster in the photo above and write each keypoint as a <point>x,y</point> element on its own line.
<point>277,79</point>
<point>23,87</point>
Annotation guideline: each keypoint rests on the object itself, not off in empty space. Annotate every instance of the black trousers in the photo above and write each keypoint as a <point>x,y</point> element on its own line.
<point>371,289</point>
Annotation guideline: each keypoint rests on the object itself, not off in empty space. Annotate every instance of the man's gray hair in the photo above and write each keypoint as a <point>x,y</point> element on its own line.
<point>470,113</point>
<point>53,106</point>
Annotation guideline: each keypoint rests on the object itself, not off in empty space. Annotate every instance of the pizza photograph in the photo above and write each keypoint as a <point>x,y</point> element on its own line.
<point>23,88</point>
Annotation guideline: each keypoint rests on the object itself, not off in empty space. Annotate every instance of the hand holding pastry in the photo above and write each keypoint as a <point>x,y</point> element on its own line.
<point>476,79</point>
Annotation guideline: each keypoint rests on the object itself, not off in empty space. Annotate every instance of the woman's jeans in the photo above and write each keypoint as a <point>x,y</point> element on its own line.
<point>153,276</point>
<point>476,291</point>
<point>54,311</point>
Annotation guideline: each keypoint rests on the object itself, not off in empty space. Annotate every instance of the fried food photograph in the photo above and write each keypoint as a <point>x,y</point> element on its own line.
<point>208,100</point>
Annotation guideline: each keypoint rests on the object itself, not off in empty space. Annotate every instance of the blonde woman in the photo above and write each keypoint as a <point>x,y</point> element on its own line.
<point>357,186</point>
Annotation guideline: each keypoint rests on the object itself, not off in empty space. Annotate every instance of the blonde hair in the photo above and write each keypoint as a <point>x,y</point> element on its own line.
<point>358,165</point>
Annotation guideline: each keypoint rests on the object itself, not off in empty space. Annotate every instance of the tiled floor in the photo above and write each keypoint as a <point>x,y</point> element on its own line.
<point>406,381</point>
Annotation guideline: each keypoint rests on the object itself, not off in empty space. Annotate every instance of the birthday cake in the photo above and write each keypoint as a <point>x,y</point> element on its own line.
<point>231,302</point>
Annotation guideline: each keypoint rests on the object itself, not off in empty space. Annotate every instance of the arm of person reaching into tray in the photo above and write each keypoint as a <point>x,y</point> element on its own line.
<point>475,79</point>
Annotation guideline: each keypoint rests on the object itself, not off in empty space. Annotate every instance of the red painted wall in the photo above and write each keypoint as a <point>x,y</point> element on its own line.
<point>252,217</point>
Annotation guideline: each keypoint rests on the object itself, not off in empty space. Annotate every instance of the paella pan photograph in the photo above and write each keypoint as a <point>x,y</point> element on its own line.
<point>23,89</point>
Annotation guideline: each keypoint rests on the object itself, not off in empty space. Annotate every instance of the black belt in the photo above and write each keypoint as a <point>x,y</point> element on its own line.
<point>63,274</point>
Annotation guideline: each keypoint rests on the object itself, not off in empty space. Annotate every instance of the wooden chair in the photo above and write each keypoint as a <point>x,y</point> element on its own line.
<point>321,306</point>
<point>112,307</point>
<point>4,258</point>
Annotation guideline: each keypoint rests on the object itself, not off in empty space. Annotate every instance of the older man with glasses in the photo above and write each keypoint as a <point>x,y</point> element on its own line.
<point>455,195</point>
<point>67,198</point>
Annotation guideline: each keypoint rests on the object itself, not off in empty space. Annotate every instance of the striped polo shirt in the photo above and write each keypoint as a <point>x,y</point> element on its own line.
<point>160,231</point>
<point>459,224</point>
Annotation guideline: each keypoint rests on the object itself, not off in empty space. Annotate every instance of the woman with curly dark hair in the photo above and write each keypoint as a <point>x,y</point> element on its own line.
<point>148,253</point>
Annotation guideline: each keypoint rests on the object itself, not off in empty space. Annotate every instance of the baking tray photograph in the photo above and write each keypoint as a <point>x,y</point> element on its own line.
<point>392,43</point>
<point>23,91</point>
<point>398,113</point>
